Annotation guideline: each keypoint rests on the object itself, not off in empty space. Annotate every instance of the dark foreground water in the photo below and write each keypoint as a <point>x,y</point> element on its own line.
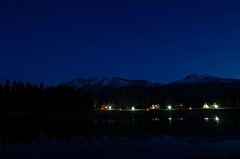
<point>28,137</point>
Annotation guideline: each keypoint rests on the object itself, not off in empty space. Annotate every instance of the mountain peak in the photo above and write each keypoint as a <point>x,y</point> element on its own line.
<point>195,78</point>
<point>192,76</point>
<point>99,83</point>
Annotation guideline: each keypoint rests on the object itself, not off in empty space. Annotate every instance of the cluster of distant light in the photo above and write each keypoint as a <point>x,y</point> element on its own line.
<point>206,106</point>
<point>216,118</point>
<point>169,107</point>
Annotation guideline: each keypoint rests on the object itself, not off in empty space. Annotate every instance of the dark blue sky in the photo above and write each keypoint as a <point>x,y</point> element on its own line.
<point>161,41</point>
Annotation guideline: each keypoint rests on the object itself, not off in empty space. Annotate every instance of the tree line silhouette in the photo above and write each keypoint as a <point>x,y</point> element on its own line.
<point>190,95</point>
<point>31,98</point>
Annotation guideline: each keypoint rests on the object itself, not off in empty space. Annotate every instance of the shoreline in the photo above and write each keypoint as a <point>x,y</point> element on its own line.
<point>129,114</point>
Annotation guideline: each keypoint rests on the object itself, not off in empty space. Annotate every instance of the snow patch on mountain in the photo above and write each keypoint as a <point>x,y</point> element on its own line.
<point>100,83</point>
<point>195,78</point>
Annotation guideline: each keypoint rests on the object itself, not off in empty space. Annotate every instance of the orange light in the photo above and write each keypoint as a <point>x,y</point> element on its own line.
<point>102,108</point>
<point>190,108</point>
<point>120,109</point>
<point>147,109</point>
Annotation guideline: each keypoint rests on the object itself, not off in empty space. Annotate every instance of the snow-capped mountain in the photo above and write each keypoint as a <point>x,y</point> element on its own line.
<point>194,78</point>
<point>116,82</point>
<point>100,83</point>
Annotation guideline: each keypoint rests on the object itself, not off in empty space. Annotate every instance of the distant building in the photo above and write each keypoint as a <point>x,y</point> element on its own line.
<point>214,106</point>
<point>155,106</point>
<point>106,106</point>
<point>206,106</point>
<point>179,106</point>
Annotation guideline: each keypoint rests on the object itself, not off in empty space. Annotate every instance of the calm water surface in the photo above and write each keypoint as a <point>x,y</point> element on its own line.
<point>27,137</point>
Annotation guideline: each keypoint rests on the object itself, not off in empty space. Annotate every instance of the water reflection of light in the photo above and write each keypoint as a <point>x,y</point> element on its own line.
<point>179,119</point>
<point>207,119</point>
<point>110,122</point>
<point>155,119</point>
<point>170,121</point>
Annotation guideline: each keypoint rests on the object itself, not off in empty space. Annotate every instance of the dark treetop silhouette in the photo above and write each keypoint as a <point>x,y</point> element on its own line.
<point>31,98</point>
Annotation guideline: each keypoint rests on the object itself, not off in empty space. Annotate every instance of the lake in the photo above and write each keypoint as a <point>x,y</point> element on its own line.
<point>166,137</point>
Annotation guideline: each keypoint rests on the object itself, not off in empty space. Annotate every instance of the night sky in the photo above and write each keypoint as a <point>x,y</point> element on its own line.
<point>57,41</point>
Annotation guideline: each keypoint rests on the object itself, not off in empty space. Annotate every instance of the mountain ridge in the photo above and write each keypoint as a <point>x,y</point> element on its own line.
<point>95,83</point>
<point>195,78</point>
<point>100,83</point>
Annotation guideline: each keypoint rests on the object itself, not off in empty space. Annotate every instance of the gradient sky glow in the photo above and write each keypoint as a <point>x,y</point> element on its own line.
<point>56,41</point>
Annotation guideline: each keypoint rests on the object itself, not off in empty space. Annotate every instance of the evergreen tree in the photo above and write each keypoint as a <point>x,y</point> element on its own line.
<point>28,86</point>
<point>14,86</point>
<point>1,98</point>
<point>1,89</point>
<point>20,85</point>
<point>7,86</point>
<point>229,102</point>
<point>41,86</point>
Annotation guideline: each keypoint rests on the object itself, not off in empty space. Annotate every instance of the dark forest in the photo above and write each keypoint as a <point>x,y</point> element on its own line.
<point>17,97</point>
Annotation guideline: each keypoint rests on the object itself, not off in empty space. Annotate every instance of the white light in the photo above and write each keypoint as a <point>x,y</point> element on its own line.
<point>170,119</point>
<point>216,106</point>
<point>169,107</point>
<point>205,106</point>
<point>110,107</point>
<point>206,119</point>
<point>133,108</point>
<point>216,118</point>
